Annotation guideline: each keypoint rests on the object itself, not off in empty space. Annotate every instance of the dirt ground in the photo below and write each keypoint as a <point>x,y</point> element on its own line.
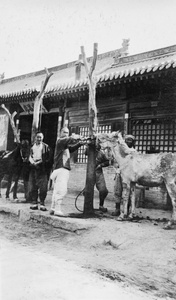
<point>139,254</point>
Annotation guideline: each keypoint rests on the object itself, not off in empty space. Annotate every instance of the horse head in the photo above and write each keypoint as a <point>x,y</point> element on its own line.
<point>107,141</point>
<point>114,146</point>
<point>24,150</point>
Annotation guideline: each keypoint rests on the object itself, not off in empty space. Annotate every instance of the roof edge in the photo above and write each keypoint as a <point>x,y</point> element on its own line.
<point>119,61</point>
<point>144,55</point>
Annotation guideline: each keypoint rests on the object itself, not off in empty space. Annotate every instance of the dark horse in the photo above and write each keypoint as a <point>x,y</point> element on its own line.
<point>14,164</point>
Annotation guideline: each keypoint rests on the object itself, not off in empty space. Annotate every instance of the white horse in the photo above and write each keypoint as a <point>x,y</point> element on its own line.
<point>144,169</point>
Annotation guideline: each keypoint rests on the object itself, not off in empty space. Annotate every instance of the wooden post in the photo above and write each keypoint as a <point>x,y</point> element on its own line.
<point>90,176</point>
<point>37,106</point>
<point>58,130</point>
<point>126,123</point>
<point>59,126</point>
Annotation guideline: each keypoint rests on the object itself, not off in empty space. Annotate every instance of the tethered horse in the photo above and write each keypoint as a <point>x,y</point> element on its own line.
<point>15,164</point>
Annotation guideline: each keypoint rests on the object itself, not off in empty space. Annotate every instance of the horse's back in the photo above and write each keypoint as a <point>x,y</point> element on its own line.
<point>161,161</point>
<point>150,169</point>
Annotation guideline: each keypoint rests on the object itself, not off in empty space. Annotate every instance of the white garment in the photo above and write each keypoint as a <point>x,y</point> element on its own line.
<point>37,152</point>
<point>54,174</point>
<point>60,179</point>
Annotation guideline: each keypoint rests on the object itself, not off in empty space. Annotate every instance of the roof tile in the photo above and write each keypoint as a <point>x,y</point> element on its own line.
<point>64,76</point>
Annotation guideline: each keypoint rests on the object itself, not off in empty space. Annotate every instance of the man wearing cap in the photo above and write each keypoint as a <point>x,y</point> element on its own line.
<point>61,170</point>
<point>130,141</point>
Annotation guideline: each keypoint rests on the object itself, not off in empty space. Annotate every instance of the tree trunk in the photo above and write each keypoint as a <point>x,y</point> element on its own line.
<point>37,106</point>
<point>90,175</point>
<point>90,182</point>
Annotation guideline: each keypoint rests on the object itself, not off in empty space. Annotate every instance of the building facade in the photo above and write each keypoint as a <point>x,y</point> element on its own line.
<point>135,94</point>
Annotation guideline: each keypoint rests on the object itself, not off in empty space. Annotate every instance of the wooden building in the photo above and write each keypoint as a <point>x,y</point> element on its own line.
<point>135,94</point>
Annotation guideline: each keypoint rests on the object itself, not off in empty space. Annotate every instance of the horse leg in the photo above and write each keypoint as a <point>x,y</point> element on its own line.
<point>26,192</point>
<point>171,188</point>
<point>16,186</point>
<point>117,194</point>
<point>8,187</point>
<point>133,199</point>
<point>125,200</point>
<point>15,189</point>
<point>0,189</point>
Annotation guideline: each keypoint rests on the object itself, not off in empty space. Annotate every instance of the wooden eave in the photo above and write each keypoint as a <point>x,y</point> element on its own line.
<point>127,69</point>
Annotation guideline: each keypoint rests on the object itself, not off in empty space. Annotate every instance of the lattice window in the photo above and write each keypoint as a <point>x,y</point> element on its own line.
<point>84,131</point>
<point>155,135</point>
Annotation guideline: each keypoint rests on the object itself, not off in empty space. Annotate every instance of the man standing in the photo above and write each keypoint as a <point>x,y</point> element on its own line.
<point>118,188</point>
<point>40,161</point>
<point>61,169</point>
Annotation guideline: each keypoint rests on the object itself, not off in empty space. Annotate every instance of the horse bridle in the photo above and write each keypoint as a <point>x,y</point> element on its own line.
<point>110,148</point>
<point>24,159</point>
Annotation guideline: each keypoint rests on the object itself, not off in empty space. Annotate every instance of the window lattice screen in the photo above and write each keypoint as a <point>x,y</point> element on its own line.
<point>84,131</point>
<point>155,135</point>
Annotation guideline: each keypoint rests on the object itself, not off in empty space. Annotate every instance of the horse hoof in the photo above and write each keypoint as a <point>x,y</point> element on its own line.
<point>7,198</point>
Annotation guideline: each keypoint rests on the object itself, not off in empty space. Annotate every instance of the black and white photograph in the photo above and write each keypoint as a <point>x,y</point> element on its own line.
<point>88,150</point>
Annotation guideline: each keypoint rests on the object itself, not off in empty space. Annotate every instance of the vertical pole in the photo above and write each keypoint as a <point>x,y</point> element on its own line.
<point>66,123</point>
<point>59,126</point>
<point>58,130</point>
<point>90,175</point>
<point>126,123</point>
<point>18,131</point>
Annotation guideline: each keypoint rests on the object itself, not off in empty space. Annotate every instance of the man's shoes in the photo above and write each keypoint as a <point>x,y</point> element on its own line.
<point>51,212</point>
<point>116,213</point>
<point>34,207</point>
<point>43,208</point>
<point>59,213</point>
<point>103,209</point>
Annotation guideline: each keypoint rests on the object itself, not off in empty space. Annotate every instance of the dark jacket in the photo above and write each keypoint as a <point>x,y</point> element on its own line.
<point>64,147</point>
<point>101,159</point>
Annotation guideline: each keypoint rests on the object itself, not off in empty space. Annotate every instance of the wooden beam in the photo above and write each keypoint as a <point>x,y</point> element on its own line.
<point>38,104</point>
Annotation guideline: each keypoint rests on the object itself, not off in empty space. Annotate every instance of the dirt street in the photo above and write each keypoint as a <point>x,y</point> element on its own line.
<point>128,260</point>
